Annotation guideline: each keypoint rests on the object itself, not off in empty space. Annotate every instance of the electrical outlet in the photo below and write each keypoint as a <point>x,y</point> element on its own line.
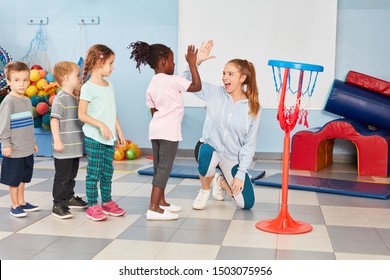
<point>88,20</point>
<point>38,20</point>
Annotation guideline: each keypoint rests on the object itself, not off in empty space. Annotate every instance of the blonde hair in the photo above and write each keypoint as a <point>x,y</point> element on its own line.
<point>247,68</point>
<point>62,68</point>
<point>15,66</point>
<point>96,56</point>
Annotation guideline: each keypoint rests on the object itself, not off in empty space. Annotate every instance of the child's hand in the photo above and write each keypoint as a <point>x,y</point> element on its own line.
<point>6,152</point>
<point>191,55</point>
<point>35,148</point>
<point>105,131</point>
<point>58,146</point>
<point>204,52</point>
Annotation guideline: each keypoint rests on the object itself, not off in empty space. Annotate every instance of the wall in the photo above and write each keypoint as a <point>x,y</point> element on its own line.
<point>361,45</point>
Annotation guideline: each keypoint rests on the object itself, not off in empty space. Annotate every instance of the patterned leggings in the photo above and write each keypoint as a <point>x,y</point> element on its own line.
<point>99,169</point>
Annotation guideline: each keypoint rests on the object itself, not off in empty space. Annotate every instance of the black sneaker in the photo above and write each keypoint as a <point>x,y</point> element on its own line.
<point>76,202</point>
<point>61,211</point>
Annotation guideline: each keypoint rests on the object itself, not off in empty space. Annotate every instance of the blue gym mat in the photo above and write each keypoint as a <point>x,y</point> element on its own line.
<point>326,185</point>
<point>183,171</point>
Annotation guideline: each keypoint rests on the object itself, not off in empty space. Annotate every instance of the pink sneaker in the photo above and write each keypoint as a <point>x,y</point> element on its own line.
<point>111,208</point>
<point>95,213</point>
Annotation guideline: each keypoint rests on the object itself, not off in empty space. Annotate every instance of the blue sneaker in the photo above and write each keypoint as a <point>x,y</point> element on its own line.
<point>18,212</point>
<point>29,207</point>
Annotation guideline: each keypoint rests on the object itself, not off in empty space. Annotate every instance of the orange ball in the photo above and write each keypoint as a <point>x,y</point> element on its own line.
<point>119,154</point>
<point>43,73</point>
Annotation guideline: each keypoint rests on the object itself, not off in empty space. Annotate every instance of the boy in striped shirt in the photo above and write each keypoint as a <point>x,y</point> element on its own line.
<point>17,138</point>
<point>67,139</point>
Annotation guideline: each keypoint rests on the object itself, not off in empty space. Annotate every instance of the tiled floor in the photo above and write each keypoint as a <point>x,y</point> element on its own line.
<point>344,227</point>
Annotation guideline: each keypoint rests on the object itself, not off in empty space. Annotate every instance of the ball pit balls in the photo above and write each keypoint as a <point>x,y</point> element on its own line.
<point>43,73</point>
<point>51,99</point>
<point>37,67</point>
<point>49,77</point>
<point>34,101</point>
<point>34,112</point>
<point>46,127</point>
<point>119,154</point>
<point>46,119</point>
<point>35,76</point>
<point>42,108</point>
<point>41,84</point>
<point>41,93</point>
<point>131,154</point>
<point>31,91</point>
<point>37,122</point>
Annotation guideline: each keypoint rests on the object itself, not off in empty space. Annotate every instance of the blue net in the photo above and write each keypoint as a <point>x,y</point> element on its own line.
<point>37,50</point>
<point>308,88</point>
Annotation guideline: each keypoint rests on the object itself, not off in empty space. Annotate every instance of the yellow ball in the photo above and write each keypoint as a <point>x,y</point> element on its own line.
<point>42,92</point>
<point>42,83</point>
<point>35,76</point>
<point>31,91</point>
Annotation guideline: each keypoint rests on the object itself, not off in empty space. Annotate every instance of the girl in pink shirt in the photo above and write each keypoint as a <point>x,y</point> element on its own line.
<point>164,98</point>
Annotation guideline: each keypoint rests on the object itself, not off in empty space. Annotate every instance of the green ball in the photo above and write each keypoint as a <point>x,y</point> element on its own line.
<point>131,154</point>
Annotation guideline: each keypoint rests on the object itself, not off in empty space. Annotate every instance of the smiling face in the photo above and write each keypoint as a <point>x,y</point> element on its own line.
<point>19,81</point>
<point>232,78</point>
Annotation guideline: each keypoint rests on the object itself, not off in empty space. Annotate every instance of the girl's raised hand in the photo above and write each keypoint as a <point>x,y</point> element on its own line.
<point>204,52</point>
<point>191,55</point>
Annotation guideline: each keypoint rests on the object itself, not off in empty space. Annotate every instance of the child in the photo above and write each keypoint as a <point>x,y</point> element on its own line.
<point>97,110</point>
<point>164,97</point>
<point>67,139</point>
<point>17,138</point>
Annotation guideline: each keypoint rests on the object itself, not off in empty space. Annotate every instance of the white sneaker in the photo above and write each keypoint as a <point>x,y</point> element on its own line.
<point>218,192</point>
<point>171,208</point>
<point>201,200</point>
<point>166,216</point>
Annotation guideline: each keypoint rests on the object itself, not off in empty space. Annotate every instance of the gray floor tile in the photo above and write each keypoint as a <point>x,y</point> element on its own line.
<point>162,234</point>
<point>24,246</point>
<point>304,255</point>
<point>72,248</point>
<point>13,224</point>
<point>205,224</point>
<point>198,236</point>
<point>241,253</point>
<point>357,240</point>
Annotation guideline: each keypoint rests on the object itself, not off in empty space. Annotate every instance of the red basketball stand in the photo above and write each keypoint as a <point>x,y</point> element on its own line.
<point>284,223</point>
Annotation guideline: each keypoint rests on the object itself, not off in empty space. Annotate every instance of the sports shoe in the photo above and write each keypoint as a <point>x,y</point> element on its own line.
<point>218,193</point>
<point>171,208</point>
<point>165,216</point>
<point>95,213</point>
<point>200,201</point>
<point>111,208</point>
<point>18,212</point>
<point>61,211</point>
<point>76,202</point>
<point>29,207</point>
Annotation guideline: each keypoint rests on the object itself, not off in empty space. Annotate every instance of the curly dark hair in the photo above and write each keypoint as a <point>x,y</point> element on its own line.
<point>143,53</point>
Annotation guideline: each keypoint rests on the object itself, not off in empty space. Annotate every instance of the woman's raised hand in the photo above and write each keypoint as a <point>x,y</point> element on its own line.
<point>204,52</point>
